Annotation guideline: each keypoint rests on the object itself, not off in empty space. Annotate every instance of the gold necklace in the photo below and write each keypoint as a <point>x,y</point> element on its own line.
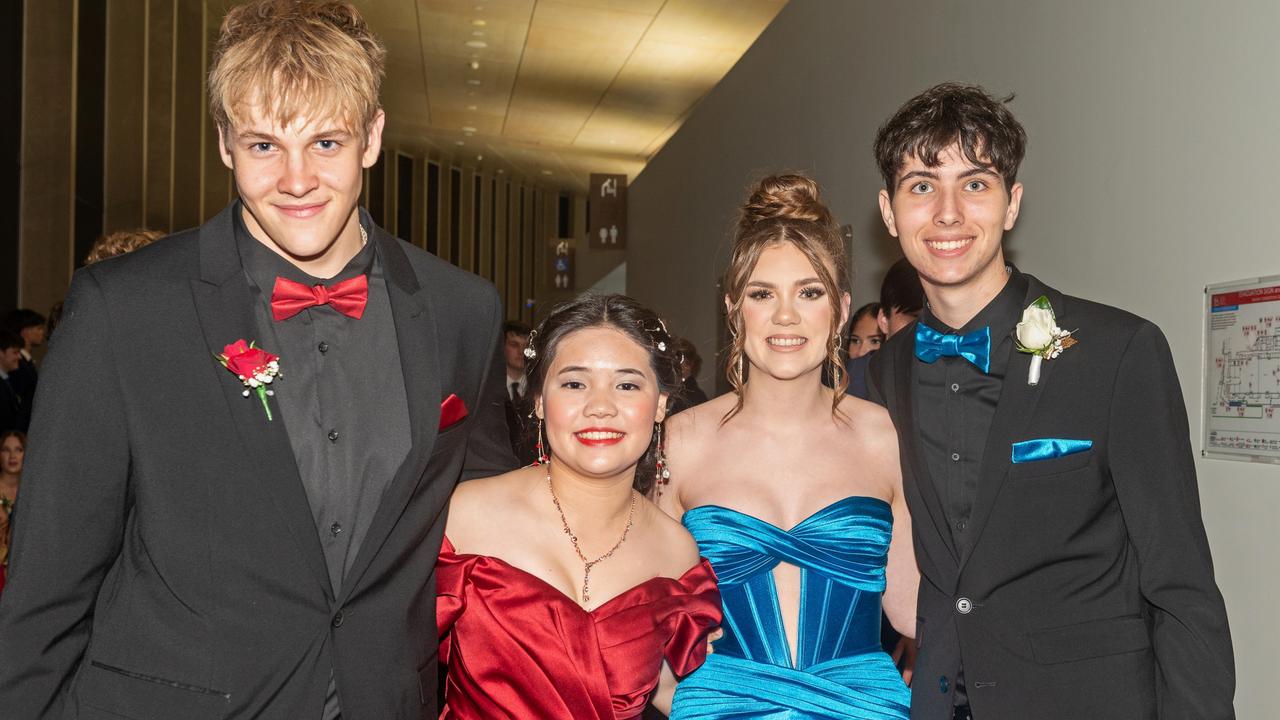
<point>588,564</point>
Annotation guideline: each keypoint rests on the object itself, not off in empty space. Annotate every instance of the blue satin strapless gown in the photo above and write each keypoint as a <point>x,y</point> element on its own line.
<point>841,670</point>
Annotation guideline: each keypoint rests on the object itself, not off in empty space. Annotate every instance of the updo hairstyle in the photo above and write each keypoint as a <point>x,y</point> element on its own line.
<point>785,209</point>
<point>616,312</point>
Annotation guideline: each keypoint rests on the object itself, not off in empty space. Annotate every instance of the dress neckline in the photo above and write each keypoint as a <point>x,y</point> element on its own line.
<point>702,565</point>
<point>850,499</point>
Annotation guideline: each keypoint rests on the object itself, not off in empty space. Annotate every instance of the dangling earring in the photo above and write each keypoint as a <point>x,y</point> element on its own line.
<point>833,358</point>
<point>541,447</point>
<point>662,474</point>
<point>737,367</point>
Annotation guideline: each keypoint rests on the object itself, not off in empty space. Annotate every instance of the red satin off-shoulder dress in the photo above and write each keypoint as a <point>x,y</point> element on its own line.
<point>519,648</point>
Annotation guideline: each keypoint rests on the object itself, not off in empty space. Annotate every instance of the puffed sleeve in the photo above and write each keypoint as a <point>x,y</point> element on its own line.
<point>692,617</point>
<point>453,572</point>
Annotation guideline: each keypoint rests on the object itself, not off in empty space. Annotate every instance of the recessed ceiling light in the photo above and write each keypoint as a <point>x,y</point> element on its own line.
<point>477,33</point>
<point>500,171</point>
<point>477,44</point>
<point>479,8</point>
<point>474,65</point>
<point>546,172</point>
<point>459,143</point>
<point>479,158</point>
<point>479,23</point>
<point>473,81</point>
<point>473,107</point>
<point>468,128</point>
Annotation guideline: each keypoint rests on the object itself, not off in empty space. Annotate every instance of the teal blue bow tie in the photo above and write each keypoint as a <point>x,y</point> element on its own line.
<point>974,347</point>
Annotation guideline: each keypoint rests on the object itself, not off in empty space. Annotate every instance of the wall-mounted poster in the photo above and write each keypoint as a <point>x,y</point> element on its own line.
<point>1241,395</point>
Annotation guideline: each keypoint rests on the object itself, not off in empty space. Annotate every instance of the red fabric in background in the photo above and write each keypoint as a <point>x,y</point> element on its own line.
<point>518,647</point>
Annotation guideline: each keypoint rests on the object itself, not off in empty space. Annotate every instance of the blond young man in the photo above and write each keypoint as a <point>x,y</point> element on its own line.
<point>197,542</point>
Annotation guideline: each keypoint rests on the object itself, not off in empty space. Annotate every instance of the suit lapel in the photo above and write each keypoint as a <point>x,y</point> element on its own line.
<point>416,336</point>
<point>224,305</point>
<point>904,389</point>
<point>1016,407</point>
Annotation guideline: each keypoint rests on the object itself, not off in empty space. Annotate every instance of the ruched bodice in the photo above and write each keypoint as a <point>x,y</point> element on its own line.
<point>839,669</point>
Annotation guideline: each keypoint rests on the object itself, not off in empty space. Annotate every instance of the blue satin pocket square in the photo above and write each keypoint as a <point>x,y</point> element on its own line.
<point>1047,448</point>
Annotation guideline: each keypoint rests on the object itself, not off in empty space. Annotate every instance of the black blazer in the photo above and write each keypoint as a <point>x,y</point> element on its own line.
<point>1089,591</point>
<point>167,564</point>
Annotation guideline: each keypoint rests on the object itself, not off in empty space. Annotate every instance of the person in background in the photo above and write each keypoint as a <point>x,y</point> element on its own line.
<point>1047,459</point>
<point>865,334</point>
<point>901,299</point>
<point>11,412</point>
<point>32,327</point>
<point>119,243</point>
<point>515,339</point>
<point>690,365</point>
<point>563,590</point>
<point>13,449</point>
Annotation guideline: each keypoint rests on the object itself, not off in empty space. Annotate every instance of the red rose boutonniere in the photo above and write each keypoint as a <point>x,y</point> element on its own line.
<point>255,367</point>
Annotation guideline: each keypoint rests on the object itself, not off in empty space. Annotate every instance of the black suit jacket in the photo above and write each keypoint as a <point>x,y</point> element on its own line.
<point>167,564</point>
<point>1089,590</point>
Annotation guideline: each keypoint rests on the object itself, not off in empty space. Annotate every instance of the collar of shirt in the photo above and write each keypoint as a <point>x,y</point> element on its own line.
<point>521,384</point>
<point>263,265</point>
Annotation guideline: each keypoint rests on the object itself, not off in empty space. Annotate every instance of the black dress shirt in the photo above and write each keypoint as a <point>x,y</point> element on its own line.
<point>955,404</point>
<point>340,393</point>
<point>341,396</point>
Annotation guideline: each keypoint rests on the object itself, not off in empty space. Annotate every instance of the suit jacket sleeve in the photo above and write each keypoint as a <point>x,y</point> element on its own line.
<point>74,504</point>
<point>1155,480</point>
<point>872,377</point>
<point>489,445</point>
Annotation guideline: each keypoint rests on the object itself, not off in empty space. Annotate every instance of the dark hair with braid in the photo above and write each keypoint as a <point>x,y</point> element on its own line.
<point>616,312</point>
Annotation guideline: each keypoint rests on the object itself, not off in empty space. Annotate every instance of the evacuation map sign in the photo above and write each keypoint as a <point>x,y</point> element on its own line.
<point>1242,370</point>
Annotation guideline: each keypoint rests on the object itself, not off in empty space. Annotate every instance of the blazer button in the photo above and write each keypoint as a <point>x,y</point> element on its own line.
<point>964,606</point>
<point>943,685</point>
<point>337,619</point>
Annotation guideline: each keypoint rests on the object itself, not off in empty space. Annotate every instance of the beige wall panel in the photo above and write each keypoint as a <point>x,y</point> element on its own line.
<point>188,114</point>
<point>125,117</point>
<point>48,132</point>
<point>216,181</point>
<point>419,201</point>
<point>157,210</point>
<point>500,237</point>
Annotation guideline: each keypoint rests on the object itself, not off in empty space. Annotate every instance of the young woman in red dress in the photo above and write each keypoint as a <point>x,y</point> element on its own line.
<point>562,590</point>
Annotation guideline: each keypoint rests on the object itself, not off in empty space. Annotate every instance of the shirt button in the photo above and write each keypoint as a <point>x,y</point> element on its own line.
<point>960,524</point>
<point>323,347</point>
<point>333,436</point>
<point>338,619</point>
<point>335,528</point>
<point>943,685</point>
<point>964,606</point>
<point>955,457</point>
<point>955,387</point>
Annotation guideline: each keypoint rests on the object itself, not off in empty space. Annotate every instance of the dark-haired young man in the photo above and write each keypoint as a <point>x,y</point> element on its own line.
<point>1065,572</point>
<point>901,298</point>
<point>191,546</point>
<point>31,326</point>
<point>10,361</point>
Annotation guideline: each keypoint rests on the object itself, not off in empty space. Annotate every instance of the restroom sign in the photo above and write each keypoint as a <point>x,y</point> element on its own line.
<point>608,230</point>
<point>560,273</point>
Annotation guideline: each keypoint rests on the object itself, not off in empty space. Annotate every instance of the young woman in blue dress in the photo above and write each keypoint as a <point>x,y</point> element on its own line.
<point>793,489</point>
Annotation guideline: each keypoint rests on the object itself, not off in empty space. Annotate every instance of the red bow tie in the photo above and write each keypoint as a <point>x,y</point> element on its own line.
<point>347,297</point>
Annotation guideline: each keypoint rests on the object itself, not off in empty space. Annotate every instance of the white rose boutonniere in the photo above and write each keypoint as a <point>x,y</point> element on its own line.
<point>1039,335</point>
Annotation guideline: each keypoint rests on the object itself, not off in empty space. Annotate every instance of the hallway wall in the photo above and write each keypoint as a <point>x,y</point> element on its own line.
<point>1150,173</point>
